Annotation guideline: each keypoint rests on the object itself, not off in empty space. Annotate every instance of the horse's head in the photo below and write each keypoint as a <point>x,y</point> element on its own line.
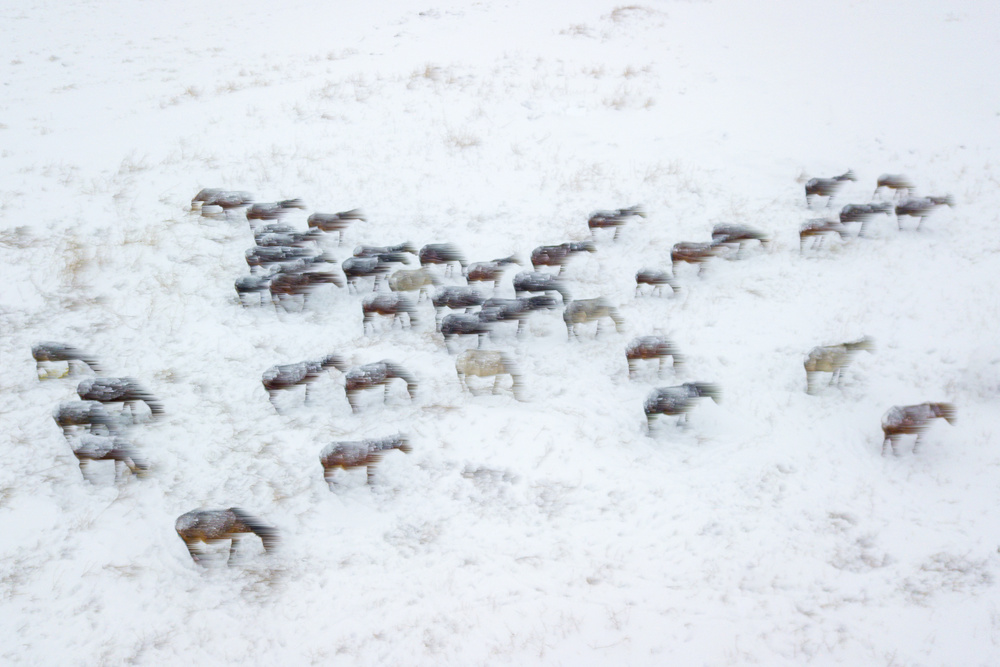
<point>704,389</point>
<point>944,410</point>
<point>335,361</point>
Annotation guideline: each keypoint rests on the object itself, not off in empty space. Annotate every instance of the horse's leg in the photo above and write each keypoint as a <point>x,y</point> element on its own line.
<point>83,468</point>
<point>631,367</point>
<point>370,473</point>
<point>306,400</point>
<point>659,369</point>
<point>496,383</point>
<point>232,549</point>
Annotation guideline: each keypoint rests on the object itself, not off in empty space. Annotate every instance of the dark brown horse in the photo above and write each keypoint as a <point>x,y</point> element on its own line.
<point>899,184</point>
<point>657,278</point>
<point>390,305</point>
<point>489,271</point>
<point>373,375</point>
<point>613,219</point>
<point>442,253</point>
<point>817,229</point>
<point>693,253</point>
<point>920,208</point>
<point>558,255</point>
<point>285,286</point>
<point>89,447</point>
<point>356,454</point>
<point>728,233</point>
<point>863,213</point>
<point>912,419</point>
<point>209,526</point>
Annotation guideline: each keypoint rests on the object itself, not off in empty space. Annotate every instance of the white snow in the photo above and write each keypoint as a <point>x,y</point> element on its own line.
<point>552,531</point>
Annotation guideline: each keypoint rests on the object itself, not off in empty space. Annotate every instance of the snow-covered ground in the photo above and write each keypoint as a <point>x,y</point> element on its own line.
<point>554,530</point>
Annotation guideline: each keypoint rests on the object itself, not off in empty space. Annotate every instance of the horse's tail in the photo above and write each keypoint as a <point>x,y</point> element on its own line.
<point>267,534</point>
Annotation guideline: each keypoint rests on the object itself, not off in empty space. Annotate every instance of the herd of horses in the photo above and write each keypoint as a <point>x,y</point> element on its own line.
<point>287,264</point>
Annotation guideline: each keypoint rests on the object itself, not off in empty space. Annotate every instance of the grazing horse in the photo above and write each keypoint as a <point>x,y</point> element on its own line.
<point>386,304</point>
<point>408,280</point>
<point>373,375</point>
<point>590,310</point>
<point>87,414</point>
<point>898,183</point>
<point>558,255</point>
<point>288,239</point>
<point>284,258</point>
<point>613,219</point>
<point>527,282</point>
<point>920,208</point>
<point>303,373</point>
<point>273,210</point>
<point>652,347</point>
<point>356,454</point>
<point>491,271</point>
<point>487,363</point>
<point>119,390</point>
<point>728,233</point>
<point>655,277</point>
<point>833,359</point>
<point>677,400</point>
<point>386,251</point>
<point>287,285</point>
<point>356,268</point>
<point>912,419</point>
<point>817,228</point>
<point>47,352</point>
<point>442,253</point>
<point>827,187</point>
<point>224,199</point>
<point>693,253</point>
<point>506,310</point>
<point>91,447</point>
<point>205,526</point>
<point>335,222</point>
<point>863,213</point>
<point>459,324</point>
<point>456,297</point>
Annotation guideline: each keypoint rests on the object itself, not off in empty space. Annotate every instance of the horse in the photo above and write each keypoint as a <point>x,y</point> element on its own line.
<point>863,213</point>
<point>442,253</point>
<point>207,526</point>
<point>817,228</point>
<point>487,363</point>
<point>224,199</point>
<point>290,238</point>
<point>91,447</point>
<point>910,419</point>
<point>386,304</point>
<point>288,285</point>
<point>87,414</point>
<point>253,284</point>
<point>385,253</point>
<point>48,352</point>
<point>527,282</point>
<point>355,454</point>
<point>613,219</point>
<point>833,359</point>
<point>728,233</point>
<point>677,400</point>
<point>455,297</point>
<point>898,183</point>
<point>273,210</point>
<point>920,208</point>
<point>277,378</point>
<point>558,255</point>
<point>335,222</point>
<point>356,268</point>
<point>652,347</point>
<point>827,187</point>
<point>491,271</point>
<point>590,310</point>
<point>461,325</point>
<point>284,258</point>
<point>655,277</point>
<point>693,253</point>
<point>506,310</point>
<point>407,280</point>
<point>373,375</point>
<point>119,390</point>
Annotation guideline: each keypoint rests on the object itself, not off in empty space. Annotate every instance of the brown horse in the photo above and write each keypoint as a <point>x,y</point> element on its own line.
<point>613,219</point>
<point>335,222</point>
<point>817,229</point>
<point>898,183</point>
<point>491,271</point>
<point>652,347</point>
<point>558,255</point>
<point>285,286</point>
<point>920,208</point>
<point>912,419</point>
<point>356,454</point>
<point>303,373</point>
<point>390,305</point>
<point>693,253</point>
<point>208,526</point>
<point>827,187</point>
<point>442,253</point>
